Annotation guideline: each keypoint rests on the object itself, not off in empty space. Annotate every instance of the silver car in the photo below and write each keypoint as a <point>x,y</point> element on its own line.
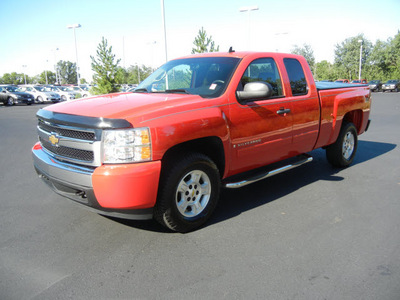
<point>63,92</point>
<point>391,85</point>
<point>41,95</point>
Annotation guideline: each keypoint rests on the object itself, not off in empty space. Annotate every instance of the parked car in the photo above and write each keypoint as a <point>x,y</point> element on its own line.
<point>63,91</point>
<point>342,81</point>
<point>11,95</point>
<point>83,90</point>
<point>375,85</point>
<point>391,85</point>
<point>359,81</point>
<point>40,94</point>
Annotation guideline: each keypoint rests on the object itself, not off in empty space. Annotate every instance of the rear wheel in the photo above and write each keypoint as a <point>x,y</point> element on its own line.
<point>188,192</point>
<point>342,152</point>
<point>10,101</point>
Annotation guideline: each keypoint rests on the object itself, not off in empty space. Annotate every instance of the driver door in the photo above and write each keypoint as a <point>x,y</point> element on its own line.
<point>261,130</point>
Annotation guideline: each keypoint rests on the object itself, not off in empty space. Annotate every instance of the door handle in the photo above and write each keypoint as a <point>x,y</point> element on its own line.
<point>283,111</point>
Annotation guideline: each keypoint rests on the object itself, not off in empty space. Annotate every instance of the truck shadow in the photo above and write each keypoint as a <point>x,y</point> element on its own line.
<point>233,202</point>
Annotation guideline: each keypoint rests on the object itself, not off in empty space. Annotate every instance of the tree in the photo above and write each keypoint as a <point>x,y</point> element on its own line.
<point>347,56</point>
<point>105,69</point>
<point>67,72</point>
<point>203,43</point>
<point>376,67</point>
<point>14,78</point>
<point>392,57</point>
<point>307,52</point>
<point>324,70</point>
<point>51,77</point>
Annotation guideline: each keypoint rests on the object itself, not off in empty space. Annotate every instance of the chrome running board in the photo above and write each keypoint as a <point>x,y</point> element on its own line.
<point>303,159</point>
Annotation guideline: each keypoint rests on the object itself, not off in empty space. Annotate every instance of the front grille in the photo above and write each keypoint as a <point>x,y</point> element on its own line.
<point>75,134</point>
<point>71,144</point>
<point>79,154</point>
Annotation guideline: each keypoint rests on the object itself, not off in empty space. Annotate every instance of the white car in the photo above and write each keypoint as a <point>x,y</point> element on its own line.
<point>41,95</point>
<point>63,92</point>
<point>83,90</point>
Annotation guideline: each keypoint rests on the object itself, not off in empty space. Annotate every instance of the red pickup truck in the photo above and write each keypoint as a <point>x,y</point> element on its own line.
<point>195,125</point>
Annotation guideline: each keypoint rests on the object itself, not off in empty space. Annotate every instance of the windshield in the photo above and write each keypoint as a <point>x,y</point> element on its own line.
<point>204,76</point>
<point>374,81</point>
<point>39,88</point>
<point>392,81</point>
<point>12,89</point>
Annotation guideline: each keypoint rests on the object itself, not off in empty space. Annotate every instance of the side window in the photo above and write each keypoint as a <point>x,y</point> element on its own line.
<point>263,69</point>
<point>296,75</point>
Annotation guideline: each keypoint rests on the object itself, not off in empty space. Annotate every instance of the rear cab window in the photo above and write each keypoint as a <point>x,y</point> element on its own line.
<point>298,82</point>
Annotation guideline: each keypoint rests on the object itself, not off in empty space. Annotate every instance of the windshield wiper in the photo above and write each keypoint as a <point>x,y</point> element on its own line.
<point>141,90</point>
<point>177,91</point>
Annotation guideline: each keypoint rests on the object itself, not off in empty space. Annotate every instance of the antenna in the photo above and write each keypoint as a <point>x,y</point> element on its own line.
<point>231,50</point>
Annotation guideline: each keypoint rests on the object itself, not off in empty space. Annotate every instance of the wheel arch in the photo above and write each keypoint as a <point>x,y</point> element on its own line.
<point>355,117</point>
<point>210,146</point>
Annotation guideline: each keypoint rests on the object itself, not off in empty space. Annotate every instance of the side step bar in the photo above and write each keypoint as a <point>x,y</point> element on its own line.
<point>303,159</point>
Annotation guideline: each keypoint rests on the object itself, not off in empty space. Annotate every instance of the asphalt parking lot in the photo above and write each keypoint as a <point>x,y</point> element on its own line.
<point>315,232</point>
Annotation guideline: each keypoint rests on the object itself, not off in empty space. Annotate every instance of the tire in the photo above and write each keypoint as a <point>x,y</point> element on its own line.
<point>10,101</point>
<point>341,153</point>
<point>63,98</point>
<point>188,192</point>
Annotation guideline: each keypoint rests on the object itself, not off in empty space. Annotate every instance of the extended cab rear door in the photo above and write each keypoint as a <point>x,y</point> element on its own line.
<point>305,110</point>
<point>261,129</point>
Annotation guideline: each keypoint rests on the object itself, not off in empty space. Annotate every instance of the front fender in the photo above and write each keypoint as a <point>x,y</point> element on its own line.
<point>171,130</point>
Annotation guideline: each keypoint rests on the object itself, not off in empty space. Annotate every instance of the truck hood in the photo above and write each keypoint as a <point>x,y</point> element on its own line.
<point>134,107</point>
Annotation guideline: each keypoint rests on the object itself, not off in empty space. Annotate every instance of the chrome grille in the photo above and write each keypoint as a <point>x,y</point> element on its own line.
<point>71,144</point>
<point>76,134</point>
<point>84,155</point>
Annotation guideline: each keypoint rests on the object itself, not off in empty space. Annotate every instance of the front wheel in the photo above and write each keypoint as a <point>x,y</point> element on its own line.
<point>188,192</point>
<point>10,101</point>
<point>342,152</point>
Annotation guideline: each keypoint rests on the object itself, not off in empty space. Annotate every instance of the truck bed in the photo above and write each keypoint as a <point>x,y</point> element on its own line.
<point>336,85</point>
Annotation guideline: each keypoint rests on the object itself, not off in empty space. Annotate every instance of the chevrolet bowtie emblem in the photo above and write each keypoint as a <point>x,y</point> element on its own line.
<point>54,139</point>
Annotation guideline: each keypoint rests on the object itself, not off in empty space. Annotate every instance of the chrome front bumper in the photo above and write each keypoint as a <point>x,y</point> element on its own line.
<point>75,182</point>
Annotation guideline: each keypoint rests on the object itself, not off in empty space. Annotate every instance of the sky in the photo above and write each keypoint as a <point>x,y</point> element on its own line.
<point>34,34</point>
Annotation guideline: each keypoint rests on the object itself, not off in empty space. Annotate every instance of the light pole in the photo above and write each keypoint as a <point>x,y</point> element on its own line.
<point>248,9</point>
<point>138,73</point>
<point>165,32</point>
<point>359,69</point>
<point>24,66</point>
<point>76,48</point>
<point>55,64</point>
<point>45,71</point>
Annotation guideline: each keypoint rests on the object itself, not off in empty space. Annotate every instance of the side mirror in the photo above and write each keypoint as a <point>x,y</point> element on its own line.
<point>255,90</point>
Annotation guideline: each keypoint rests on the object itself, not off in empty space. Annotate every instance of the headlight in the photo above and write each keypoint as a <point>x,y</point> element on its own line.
<point>126,146</point>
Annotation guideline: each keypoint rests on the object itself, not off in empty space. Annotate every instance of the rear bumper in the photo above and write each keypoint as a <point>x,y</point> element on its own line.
<point>125,191</point>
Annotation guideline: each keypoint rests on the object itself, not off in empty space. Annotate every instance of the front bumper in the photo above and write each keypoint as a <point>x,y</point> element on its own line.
<point>23,100</point>
<point>124,191</point>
